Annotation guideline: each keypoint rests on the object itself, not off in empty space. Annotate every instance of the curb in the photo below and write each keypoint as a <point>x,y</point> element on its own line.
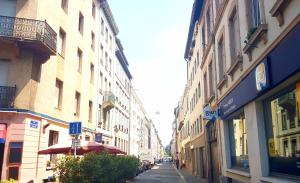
<point>181,176</point>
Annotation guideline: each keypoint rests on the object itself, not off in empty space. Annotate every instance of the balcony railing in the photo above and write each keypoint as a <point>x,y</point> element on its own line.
<point>7,96</point>
<point>109,100</point>
<point>32,33</point>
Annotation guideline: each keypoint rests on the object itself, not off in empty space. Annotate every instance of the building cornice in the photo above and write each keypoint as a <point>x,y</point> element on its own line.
<point>107,11</point>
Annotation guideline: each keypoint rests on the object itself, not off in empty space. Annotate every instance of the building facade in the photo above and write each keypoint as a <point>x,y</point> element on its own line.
<point>47,65</point>
<point>243,54</point>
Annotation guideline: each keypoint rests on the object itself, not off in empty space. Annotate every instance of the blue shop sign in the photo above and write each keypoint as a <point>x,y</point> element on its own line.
<point>98,137</point>
<point>281,63</point>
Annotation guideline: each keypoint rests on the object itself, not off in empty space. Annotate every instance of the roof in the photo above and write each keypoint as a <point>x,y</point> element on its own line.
<point>196,12</point>
<point>122,58</point>
<point>111,21</point>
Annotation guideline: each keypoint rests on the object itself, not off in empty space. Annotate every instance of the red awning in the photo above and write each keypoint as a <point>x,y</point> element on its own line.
<point>85,147</point>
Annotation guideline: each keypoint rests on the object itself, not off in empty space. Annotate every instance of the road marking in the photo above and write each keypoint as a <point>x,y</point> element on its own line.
<point>181,176</point>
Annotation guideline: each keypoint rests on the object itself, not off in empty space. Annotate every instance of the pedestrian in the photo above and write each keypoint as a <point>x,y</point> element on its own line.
<point>177,162</point>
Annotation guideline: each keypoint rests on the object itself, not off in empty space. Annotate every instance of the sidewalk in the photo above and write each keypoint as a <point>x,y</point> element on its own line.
<point>184,174</point>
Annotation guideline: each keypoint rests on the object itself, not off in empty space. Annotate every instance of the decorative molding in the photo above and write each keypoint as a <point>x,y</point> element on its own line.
<point>238,63</point>
<point>222,82</point>
<point>277,10</point>
<point>259,34</point>
<point>220,11</point>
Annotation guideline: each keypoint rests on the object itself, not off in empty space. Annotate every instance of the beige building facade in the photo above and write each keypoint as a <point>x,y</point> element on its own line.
<point>250,77</point>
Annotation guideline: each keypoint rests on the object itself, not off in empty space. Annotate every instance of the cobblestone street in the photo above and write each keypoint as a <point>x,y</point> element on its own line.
<point>164,173</point>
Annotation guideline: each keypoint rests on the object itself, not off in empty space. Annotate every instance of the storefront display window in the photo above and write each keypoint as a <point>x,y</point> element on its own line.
<point>283,131</point>
<point>238,142</point>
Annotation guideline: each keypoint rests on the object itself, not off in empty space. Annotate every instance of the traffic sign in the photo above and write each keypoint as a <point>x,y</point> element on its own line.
<point>75,128</point>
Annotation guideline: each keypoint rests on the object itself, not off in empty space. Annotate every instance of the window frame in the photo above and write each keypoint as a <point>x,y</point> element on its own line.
<point>14,165</point>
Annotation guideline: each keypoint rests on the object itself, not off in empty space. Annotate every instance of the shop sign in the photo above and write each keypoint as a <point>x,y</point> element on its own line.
<point>34,124</point>
<point>210,114</point>
<point>2,133</point>
<point>261,76</point>
<point>98,137</point>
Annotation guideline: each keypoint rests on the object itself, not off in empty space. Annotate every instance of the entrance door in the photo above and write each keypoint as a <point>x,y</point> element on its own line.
<point>1,157</point>
<point>8,8</point>
<point>3,72</point>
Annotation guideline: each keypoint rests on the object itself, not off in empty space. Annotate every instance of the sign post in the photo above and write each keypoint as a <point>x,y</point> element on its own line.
<point>75,129</point>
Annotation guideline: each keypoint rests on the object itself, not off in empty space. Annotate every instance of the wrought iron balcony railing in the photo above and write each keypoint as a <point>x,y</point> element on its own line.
<point>7,96</point>
<point>34,33</point>
<point>109,100</point>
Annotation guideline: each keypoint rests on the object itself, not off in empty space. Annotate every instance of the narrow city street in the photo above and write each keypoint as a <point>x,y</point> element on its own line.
<point>165,173</point>
<point>161,173</point>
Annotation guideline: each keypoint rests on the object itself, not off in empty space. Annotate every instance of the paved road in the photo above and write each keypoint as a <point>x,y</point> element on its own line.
<point>162,173</point>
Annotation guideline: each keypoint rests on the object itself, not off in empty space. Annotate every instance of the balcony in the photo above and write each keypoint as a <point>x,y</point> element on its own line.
<point>109,100</point>
<point>28,33</point>
<point>7,96</point>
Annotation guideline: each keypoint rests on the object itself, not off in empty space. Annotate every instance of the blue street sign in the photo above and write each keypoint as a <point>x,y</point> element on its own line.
<point>74,128</point>
<point>34,124</point>
<point>98,137</point>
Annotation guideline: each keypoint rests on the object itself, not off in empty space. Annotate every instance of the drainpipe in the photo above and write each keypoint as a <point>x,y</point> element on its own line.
<point>39,142</point>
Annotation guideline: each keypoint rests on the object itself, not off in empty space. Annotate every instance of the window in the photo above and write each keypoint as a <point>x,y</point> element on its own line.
<point>255,13</point>
<point>208,22</point>
<point>282,131</point>
<point>92,73</point>
<point>101,82</point>
<point>217,2</point>
<point>109,66</point>
<point>93,10</point>
<point>80,23</point>
<point>93,40</point>
<point>205,87</point>
<point>102,26</point>
<point>203,40</point>
<point>90,111</point>
<point>14,159</point>
<point>234,35</point>
<point>58,94</point>
<point>106,60</point>
<point>106,34</point>
<point>221,58</point>
<point>101,56</point>
<point>77,104</point>
<point>110,42</point>
<point>99,116</point>
<point>238,142</point>
<point>61,43</point>
<point>64,5</point>
<point>15,152</point>
<point>211,79</point>
<point>79,60</point>
<point>53,139</point>
<point>199,92</point>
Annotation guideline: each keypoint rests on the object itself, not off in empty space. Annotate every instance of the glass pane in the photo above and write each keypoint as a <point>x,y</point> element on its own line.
<point>13,173</point>
<point>283,131</point>
<point>238,142</point>
<point>15,155</point>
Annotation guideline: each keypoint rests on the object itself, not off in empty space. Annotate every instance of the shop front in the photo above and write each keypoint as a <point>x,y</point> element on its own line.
<point>261,122</point>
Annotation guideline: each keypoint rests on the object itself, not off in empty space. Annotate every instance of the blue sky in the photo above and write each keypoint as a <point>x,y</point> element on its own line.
<point>153,34</point>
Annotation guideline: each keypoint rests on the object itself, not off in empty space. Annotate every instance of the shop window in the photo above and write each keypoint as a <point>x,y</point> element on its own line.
<point>282,131</point>
<point>238,142</point>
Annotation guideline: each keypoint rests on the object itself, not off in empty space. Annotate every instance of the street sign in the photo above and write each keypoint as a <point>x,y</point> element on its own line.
<point>75,143</point>
<point>98,137</point>
<point>34,124</point>
<point>75,128</point>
